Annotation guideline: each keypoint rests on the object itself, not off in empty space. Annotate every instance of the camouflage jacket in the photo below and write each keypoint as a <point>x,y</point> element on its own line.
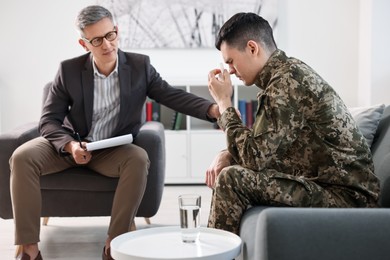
<point>302,128</point>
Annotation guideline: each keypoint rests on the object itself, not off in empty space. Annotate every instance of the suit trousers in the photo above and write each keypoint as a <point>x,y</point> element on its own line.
<point>129,163</point>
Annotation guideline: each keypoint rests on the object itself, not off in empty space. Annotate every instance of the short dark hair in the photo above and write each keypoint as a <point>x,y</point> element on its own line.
<point>243,27</point>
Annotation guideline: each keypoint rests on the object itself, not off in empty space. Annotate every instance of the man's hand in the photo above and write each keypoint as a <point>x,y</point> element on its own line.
<point>221,90</point>
<point>221,161</point>
<point>79,154</point>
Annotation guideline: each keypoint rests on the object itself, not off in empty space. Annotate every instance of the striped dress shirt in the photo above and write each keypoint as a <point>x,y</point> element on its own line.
<point>106,104</point>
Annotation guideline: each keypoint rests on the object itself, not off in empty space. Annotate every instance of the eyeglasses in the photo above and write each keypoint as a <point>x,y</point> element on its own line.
<point>97,41</point>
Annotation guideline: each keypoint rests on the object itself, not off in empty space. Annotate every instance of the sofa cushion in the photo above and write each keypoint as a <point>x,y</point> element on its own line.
<point>367,119</point>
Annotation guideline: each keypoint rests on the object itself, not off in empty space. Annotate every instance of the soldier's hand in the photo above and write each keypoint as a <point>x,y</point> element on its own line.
<point>221,91</point>
<point>221,161</point>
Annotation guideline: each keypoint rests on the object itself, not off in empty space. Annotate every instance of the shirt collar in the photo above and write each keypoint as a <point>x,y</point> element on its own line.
<point>98,74</point>
<point>274,62</point>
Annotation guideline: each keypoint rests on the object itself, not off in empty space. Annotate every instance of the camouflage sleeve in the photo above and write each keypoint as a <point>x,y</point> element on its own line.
<point>275,128</point>
<point>233,126</point>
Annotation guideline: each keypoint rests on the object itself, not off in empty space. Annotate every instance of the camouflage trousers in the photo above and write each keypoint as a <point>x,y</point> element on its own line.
<point>238,188</point>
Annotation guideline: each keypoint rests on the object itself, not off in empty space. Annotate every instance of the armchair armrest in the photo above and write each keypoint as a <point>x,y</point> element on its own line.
<point>151,137</point>
<point>9,141</point>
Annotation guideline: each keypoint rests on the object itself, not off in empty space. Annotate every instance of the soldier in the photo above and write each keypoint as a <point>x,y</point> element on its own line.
<point>304,149</point>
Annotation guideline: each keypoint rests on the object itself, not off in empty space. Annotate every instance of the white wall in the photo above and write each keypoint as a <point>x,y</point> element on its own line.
<point>326,38</point>
<point>380,70</point>
<point>37,35</point>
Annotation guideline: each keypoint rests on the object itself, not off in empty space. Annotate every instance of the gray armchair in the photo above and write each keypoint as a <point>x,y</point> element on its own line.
<point>80,191</point>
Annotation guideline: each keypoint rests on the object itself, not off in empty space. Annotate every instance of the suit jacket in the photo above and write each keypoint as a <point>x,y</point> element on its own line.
<point>69,104</point>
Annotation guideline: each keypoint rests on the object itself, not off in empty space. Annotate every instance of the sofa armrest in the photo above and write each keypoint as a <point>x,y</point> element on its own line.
<point>321,233</point>
<point>248,233</point>
<point>151,137</point>
<point>9,141</point>
<point>381,156</point>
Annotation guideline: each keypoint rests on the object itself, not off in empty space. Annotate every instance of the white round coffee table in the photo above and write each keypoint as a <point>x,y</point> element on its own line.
<point>165,243</point>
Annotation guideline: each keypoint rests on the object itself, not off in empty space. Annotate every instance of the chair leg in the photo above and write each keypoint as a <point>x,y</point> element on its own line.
<point>45,220</point>
<point>18,251</point>
<point>132,226</point>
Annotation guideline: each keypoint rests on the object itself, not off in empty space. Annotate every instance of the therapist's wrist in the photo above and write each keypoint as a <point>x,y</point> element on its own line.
<point>213,111</point>
<point>68,146</point>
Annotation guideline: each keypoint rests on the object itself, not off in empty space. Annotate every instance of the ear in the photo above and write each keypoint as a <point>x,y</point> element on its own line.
<point>82,43</point>
<point>253,47</point>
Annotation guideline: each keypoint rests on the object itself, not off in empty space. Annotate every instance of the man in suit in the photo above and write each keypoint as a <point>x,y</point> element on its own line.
<point>94,96</point>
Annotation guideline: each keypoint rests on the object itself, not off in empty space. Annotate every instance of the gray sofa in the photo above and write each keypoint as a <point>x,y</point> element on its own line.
<point>270,233</point>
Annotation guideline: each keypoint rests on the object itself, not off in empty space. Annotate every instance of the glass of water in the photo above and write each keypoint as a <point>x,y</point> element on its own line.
<point>190,205</point>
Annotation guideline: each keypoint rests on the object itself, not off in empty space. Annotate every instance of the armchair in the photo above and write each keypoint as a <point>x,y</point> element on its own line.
<point>80,191</point>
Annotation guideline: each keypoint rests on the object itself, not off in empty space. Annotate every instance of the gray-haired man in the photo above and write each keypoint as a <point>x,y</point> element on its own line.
<point>98,95</point>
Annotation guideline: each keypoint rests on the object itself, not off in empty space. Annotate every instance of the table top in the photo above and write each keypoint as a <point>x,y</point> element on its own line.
<point>166,243</point>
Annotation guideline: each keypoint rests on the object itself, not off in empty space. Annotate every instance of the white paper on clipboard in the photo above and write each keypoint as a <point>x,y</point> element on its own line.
<point>110,142</point>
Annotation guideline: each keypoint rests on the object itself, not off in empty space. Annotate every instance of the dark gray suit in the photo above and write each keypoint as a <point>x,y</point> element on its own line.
<point>70,103</point>
<point>71,97</point>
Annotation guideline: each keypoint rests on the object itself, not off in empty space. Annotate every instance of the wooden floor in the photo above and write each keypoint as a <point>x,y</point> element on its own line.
<point>83,238</point>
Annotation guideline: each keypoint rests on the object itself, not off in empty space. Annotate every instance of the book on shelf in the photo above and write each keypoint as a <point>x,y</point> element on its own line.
<point>156,113</point>
<point>149,111</point>
<point>178,121</point>
<point>242,109</point>
<point>248,110</point>
<point>153,111</point>
<point>174,118</point>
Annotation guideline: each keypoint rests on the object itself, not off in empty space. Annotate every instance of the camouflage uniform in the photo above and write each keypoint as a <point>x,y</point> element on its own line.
<point>304,150</point>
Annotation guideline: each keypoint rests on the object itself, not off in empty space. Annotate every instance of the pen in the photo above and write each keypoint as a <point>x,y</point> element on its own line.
<point>79,139</point>
<point>81,145</point>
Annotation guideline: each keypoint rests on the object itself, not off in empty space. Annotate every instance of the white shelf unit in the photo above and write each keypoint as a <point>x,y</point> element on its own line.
<point>191,149</point>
